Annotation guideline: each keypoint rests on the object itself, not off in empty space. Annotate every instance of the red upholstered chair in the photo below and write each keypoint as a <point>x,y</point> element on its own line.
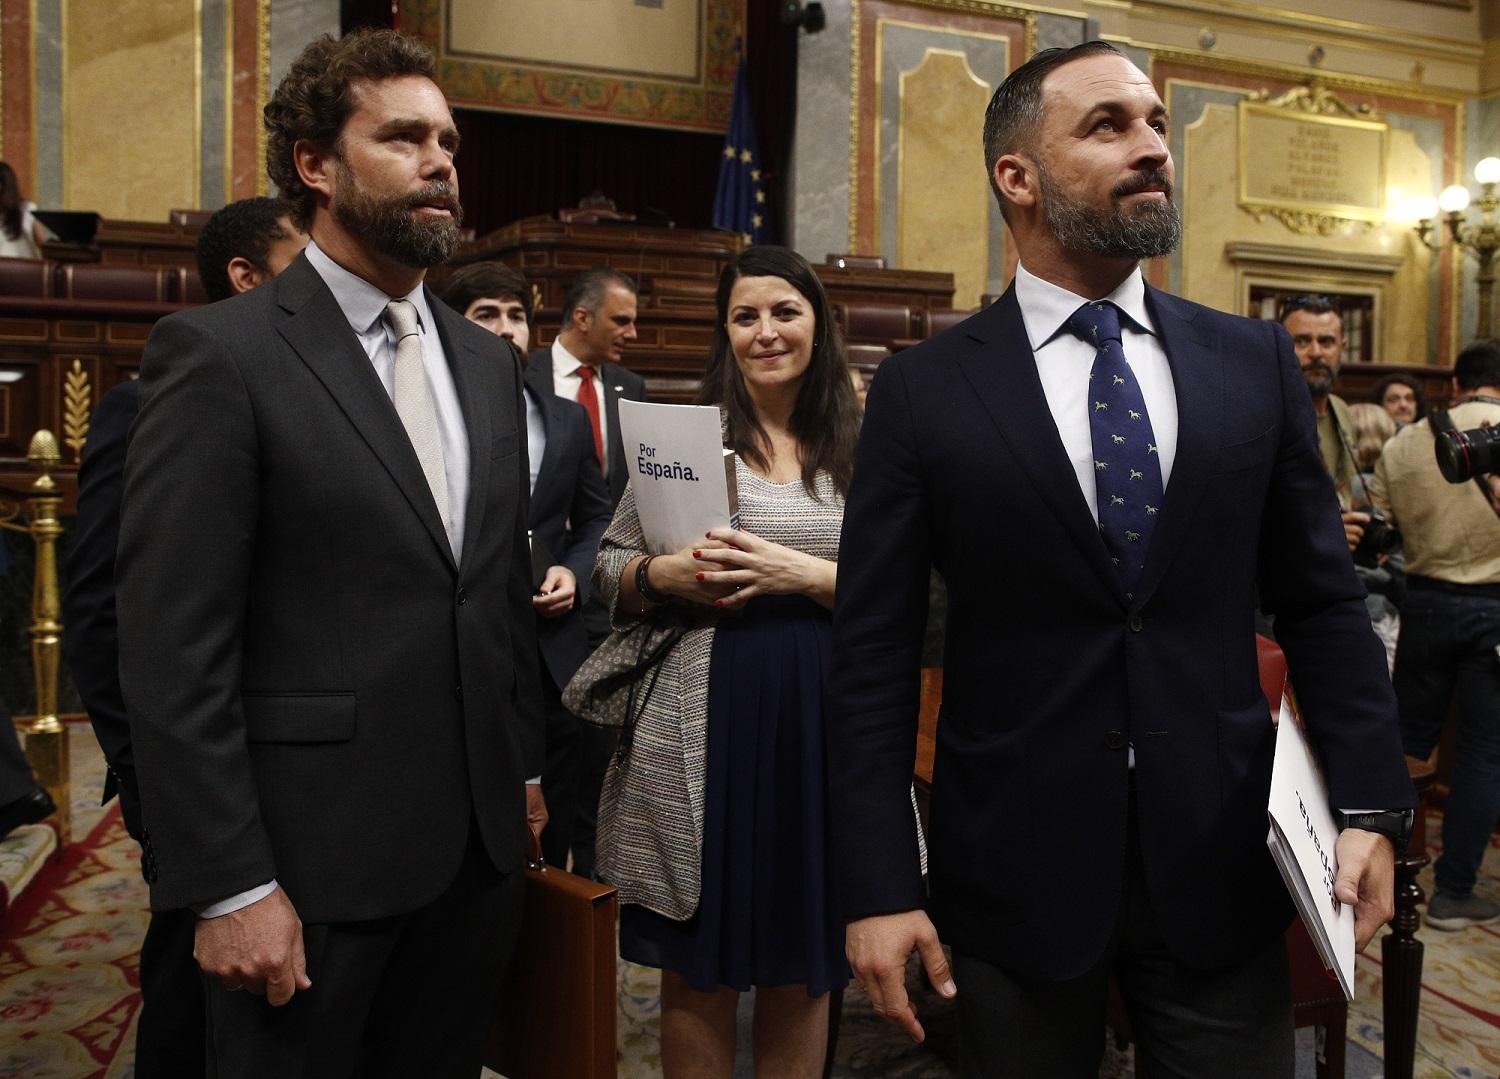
<point>1317,1000</point>
<point>185,286</point>
<point>98,281</point>
<point>191,218</point>
<point>856,262</point>
<point>31,278</point>
<point>878,324</point>
<point>938,321</point>
<point>695,292</point>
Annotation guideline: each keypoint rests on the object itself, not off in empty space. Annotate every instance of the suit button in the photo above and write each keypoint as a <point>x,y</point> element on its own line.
<point>463,596</point>
<point>458,693</point>
<point>1115,740</point>
<point>1135,623</point>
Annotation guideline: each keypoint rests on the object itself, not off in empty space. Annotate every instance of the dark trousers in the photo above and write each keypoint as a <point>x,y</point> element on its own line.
<point>169,1033</point>
<point>1446,659</point>
<point>399,997</point>
<point>1189,1023</point>
<point>561,775</point>
<point>16,777</point>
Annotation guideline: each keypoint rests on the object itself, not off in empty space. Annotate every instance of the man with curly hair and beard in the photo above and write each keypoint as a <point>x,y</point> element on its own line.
<point>335,720</point>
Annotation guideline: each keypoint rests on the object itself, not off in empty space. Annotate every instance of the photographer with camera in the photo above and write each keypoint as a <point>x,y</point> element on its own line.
<point>1317,329</point>
<point>1450,618</point>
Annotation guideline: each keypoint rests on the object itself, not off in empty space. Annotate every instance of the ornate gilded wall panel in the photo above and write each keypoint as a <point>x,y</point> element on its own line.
<point>657,65</point>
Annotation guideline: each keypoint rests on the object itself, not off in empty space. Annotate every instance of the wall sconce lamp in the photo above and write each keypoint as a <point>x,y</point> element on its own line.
<point>1480,239</point>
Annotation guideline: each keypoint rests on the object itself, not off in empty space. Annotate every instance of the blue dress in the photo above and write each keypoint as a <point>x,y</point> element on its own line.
<point>766,916</point>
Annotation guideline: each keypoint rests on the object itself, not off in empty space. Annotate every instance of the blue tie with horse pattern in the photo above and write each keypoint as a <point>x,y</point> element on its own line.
<point>1127,469</point>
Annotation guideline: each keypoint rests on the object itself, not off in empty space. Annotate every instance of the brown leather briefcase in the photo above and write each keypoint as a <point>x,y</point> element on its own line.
<point>557,1007</point>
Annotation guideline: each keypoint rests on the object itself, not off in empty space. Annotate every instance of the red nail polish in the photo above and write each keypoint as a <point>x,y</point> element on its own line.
<point>708,535</point>
<point>697,554</point>
<point>700,576</point>
<point>718,603</point>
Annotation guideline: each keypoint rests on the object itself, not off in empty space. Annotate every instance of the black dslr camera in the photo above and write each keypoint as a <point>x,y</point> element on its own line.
<point>1463,455</point>
<point>1380,538</point>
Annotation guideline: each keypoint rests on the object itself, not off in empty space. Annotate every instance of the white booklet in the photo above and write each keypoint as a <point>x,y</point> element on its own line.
<point>1303,842</point>
<point>682,475</point>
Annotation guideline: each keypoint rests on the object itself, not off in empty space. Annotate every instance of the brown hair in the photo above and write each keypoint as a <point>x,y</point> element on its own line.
<point>317,96</point>
<point>825,420</point>
<point>481,280</point>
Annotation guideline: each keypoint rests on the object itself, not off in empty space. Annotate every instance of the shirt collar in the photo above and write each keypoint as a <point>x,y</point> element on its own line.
<point>564,362</point>
<point>1045,307</point>
<point>361,302</point>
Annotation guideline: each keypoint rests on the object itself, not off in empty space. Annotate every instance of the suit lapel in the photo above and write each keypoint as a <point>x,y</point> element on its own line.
<point>1198,383</point>
<point>1002,370</point>
<point>547,408</point>
<point>318,331</point>
<point>469,377</point>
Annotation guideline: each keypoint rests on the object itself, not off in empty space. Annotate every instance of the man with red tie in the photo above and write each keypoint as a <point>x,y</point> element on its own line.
<point>583,365</point>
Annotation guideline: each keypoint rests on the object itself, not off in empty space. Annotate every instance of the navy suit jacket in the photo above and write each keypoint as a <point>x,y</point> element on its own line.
<point>570,508</point>
<point>1050,673</point>
<point>618,382</point>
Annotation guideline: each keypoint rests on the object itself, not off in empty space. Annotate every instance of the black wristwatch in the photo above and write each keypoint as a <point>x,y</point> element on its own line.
<point>1394,824</point>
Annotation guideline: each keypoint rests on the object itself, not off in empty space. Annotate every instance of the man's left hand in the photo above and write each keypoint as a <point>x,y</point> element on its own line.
<point>1366,880</point>
<point>536,808</point>
<point>555,597</point>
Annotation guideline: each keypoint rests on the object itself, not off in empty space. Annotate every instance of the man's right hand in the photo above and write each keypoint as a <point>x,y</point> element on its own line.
<point>1354,527</point>
<point>878,947</point>
<point>258,948</point>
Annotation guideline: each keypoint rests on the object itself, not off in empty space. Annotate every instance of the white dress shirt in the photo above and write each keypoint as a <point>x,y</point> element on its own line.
<point>566,384</point>
<point>1063,362</point>
<point>536,434</point>
<point>364,306</point>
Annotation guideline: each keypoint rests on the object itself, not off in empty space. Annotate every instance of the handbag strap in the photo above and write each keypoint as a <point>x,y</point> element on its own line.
<point>632,712</point>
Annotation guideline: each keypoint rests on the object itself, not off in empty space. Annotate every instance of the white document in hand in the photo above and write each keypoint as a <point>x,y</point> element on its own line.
<point>682,476</point>
<point>1303,842</point>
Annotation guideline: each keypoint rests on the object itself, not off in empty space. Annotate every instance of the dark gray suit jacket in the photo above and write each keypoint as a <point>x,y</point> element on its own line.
<point>316,692</point>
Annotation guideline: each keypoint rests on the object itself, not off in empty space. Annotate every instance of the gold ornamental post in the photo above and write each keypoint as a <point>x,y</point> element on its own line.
<point>45,736</point>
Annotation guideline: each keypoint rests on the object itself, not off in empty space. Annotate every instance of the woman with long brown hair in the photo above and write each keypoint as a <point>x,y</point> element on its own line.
<point>712,822</point>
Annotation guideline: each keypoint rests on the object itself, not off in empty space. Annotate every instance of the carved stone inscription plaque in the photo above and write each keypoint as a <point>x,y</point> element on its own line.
<point>1306,164</point>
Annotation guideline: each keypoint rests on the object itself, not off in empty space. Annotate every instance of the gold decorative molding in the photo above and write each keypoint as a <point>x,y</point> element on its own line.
<point>1314,99</point>
<point>78,399</point>
<point>1027,16</point>
<point>1300,26</point>
<point>263,92</point>
<point>854,33</point>
<point>1307,224</point>
<point>1270,69</point>
<point>1320,162</point>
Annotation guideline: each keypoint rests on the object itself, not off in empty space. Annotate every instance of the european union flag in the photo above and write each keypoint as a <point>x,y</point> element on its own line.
<point>740,201</point>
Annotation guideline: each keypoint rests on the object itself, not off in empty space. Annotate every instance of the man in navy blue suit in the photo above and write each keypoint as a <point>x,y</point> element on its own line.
<point>570,508</point>
<point>1114,475</point>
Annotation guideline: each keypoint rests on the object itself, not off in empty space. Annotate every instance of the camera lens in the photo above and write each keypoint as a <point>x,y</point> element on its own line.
<point>1462,455</point>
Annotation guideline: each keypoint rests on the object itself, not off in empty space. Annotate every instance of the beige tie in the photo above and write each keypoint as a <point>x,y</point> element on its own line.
<point>414,404</point>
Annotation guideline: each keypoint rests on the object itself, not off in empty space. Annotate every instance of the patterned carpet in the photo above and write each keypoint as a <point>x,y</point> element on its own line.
<point>68,980</point>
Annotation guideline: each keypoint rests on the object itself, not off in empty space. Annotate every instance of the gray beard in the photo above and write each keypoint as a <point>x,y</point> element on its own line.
<point>391,226</point>
<point>1153,228</point>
